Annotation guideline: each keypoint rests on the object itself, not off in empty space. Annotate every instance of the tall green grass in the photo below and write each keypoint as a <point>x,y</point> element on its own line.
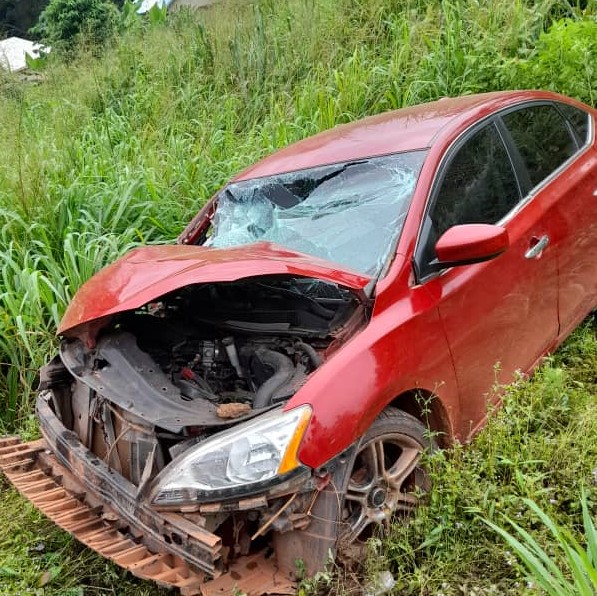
<point>579,576</point>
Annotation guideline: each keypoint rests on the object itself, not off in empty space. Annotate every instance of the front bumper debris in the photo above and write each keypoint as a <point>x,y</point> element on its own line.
<point>37,474</point>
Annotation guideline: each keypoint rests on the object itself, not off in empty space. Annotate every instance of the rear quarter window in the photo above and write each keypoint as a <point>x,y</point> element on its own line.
<point>578,119</point>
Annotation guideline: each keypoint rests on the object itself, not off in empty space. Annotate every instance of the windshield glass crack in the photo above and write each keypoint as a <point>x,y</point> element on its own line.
<point>349,213</point>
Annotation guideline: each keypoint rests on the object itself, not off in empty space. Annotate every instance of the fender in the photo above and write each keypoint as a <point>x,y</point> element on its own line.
<point>350,390</point>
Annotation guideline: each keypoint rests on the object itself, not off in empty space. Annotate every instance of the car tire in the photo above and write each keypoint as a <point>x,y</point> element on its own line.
<point>363,493</point>
<point>383,478</point>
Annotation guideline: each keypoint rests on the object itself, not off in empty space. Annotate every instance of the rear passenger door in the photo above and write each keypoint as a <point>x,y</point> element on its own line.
<point>554,144</point>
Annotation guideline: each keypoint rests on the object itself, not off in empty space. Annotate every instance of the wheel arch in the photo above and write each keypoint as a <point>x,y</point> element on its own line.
<point>426,407</point>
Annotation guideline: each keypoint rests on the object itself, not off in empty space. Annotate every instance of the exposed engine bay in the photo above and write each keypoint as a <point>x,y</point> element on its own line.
<point>163,378</point>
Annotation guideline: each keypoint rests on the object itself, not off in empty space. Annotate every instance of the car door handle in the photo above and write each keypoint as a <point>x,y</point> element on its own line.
<point>538,244</point>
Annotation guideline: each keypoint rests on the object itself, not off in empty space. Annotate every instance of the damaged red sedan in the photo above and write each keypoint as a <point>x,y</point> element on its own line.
<point>261,392</point>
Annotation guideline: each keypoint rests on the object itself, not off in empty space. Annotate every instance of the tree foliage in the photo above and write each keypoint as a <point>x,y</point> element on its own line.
<point>65,23</point>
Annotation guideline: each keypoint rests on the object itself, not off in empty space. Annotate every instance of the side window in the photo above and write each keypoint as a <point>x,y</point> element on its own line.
<point>542,138</point>
<point>479,185</point>
<point>578,119</point>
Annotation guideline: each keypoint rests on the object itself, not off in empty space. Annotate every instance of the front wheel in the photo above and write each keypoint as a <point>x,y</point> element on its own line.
<point>377,478</point>
<point>383,478</point>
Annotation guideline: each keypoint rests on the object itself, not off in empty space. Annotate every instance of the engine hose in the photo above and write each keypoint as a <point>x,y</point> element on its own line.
<point>284,371</point>
<point>195,391</point>
<point>311,352</point>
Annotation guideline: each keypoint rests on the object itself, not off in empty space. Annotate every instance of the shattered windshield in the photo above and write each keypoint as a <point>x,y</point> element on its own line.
<point>349,213</point>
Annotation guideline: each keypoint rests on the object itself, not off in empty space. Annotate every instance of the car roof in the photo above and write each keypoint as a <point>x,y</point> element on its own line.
<point>406,129</point>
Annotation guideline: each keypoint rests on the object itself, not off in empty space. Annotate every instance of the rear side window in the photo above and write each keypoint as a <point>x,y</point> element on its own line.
<point>542,138</point>
<point>579,120</point>
<point>479,185</point>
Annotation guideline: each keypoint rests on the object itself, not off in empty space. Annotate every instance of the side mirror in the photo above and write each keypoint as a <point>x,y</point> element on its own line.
<point>469,243</point>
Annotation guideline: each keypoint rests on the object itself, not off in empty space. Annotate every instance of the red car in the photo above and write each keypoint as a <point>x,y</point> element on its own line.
<point>336,309</point>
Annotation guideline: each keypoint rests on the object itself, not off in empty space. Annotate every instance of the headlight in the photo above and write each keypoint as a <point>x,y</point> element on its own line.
<point>239,460</point>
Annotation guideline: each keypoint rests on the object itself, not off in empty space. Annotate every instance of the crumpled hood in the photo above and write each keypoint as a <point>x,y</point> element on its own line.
<point>147,273</point>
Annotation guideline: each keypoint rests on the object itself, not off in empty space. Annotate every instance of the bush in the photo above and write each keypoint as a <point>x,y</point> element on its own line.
<point>64,23</point>
<point>565,59</point>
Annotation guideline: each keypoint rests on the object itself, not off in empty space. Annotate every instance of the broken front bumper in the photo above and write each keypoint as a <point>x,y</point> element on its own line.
<point>82,495</point>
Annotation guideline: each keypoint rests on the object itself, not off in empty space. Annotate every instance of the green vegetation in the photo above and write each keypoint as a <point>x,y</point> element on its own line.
<point>119,148</point>
<point>65,24</point>
<point>580,562</point>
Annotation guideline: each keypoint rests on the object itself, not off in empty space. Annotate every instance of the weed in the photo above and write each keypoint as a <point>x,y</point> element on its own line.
<point>543,568</point>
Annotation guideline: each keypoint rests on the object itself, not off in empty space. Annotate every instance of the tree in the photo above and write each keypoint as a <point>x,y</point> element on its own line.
<point>64,23</point>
